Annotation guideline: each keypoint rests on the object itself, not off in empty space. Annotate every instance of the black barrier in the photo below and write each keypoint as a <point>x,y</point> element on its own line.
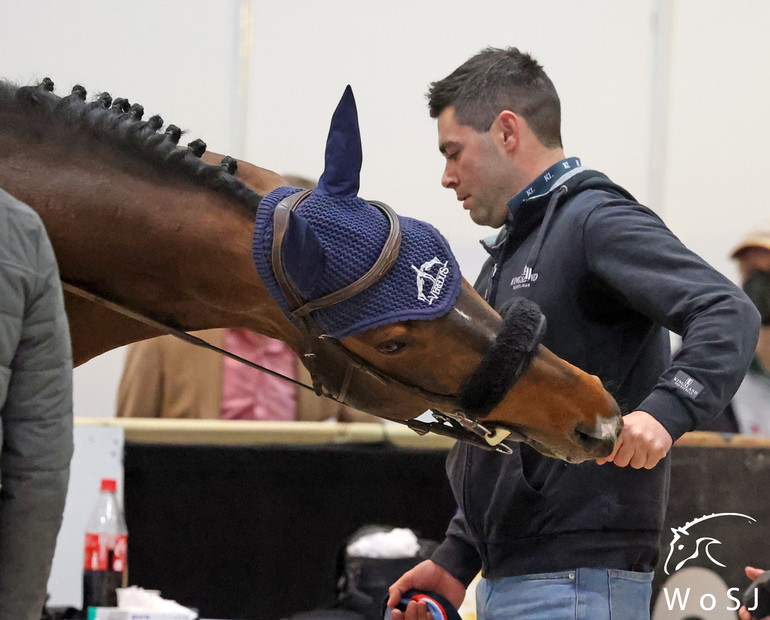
<point>255,532</point>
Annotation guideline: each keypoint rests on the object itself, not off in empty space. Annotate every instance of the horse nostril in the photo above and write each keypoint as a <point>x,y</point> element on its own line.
<point>598,441</point>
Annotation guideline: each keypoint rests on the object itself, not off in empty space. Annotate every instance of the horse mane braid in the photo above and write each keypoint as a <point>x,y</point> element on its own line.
<point>118,123</point>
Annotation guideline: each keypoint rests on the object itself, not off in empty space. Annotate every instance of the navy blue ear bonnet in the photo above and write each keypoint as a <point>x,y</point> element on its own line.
<point>342,239</point>
<point>334,237</point>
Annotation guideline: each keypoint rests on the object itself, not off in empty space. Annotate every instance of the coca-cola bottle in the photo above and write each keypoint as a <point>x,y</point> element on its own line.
<point>106,545</point>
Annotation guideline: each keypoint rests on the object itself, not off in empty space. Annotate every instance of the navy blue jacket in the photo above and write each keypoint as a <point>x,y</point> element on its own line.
<point>611,279</point>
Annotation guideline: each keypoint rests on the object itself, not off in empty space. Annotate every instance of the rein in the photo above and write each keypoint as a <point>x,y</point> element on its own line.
<point>182,335</point>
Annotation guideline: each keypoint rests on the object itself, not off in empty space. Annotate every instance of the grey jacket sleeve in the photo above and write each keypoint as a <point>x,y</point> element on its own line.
<point>35,409</point>
<point>633,251</point>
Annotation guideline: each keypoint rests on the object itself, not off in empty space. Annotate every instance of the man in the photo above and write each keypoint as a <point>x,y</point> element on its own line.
<point>35,409</point>
<point>554,540</point>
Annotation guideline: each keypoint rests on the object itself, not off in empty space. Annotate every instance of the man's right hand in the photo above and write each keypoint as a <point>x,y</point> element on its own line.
<point>427,576</point>
<point>752,573</point>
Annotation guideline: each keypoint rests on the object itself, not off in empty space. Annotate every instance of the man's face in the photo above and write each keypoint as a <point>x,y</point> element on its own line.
<point>477,169</point>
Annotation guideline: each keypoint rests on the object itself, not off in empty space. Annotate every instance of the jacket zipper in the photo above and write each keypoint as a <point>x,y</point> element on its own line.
<point>490,294</point>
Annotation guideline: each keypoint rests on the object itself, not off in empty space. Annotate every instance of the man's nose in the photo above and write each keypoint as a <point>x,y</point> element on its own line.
<point>448,179</point>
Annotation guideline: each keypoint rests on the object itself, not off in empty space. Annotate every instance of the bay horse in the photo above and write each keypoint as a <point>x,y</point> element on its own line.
<point>166,232</point>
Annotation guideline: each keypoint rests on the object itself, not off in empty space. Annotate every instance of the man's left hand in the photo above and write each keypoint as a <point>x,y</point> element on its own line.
<point>642,442</point>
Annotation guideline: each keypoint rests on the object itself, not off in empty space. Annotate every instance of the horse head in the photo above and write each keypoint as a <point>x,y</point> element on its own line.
<point>390,326</point>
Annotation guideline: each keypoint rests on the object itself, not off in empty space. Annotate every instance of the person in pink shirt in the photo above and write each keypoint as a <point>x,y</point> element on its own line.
<point>166,377</point>
<point>250,395</point>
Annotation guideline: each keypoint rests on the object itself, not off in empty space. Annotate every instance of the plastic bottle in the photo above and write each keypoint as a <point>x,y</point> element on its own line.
<point>106,544</point>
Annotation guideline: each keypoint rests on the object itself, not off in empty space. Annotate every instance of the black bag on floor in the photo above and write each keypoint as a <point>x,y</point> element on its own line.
<point>363,582</point>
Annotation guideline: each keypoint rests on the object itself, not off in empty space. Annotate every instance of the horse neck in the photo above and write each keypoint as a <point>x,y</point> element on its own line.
<point>161,246</point>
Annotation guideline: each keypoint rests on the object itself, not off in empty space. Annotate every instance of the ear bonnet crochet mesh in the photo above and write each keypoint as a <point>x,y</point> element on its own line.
<point>334,237</point>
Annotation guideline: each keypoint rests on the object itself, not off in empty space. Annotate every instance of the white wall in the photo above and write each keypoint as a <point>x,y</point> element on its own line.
<point>719,124</point>
<point>390,53</point>
<point>180,58</point>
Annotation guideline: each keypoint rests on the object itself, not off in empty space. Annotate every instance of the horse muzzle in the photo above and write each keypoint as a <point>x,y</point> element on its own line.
<point>598,441</point>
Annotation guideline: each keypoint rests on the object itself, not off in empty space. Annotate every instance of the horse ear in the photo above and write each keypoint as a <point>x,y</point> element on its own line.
<point>304,259</point>
<point>343,158</point>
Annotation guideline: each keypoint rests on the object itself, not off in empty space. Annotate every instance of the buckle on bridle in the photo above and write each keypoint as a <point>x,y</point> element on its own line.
<point>493,436</point>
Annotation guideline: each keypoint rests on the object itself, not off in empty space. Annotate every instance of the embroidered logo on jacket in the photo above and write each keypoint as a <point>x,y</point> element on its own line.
<point>436,281</point>
<point>687,384</point>
<point>525,279</point>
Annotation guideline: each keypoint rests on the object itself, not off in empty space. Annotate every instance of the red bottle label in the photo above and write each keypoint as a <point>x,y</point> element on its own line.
<point>95,552</point>
<point>119,557</point>
<point>100,554</point>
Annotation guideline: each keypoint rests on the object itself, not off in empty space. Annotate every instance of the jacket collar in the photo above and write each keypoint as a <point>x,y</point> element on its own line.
<point>554,176</point>
<point>530,212</point>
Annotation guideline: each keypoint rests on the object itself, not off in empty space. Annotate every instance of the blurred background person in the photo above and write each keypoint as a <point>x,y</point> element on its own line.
<point>35,409</point>
<point>749,411</point>
<point>166,377</point>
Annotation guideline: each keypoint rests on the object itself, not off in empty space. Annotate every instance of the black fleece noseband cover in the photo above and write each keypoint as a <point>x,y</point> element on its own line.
<point>507,359</point>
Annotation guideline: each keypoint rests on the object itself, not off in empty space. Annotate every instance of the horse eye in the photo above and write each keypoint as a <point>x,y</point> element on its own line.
<point>390,346</point>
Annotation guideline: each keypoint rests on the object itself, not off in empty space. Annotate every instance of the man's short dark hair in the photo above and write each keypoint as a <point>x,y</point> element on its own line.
<point>495,80</point>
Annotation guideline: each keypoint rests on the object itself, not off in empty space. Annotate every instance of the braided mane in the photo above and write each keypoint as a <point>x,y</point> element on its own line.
<point>119,124</point>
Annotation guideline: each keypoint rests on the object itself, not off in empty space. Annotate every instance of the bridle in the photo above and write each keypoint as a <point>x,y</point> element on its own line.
<point>319,346</point>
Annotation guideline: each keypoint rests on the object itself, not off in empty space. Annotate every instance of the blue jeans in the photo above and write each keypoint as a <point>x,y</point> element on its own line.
<point>582,594</point>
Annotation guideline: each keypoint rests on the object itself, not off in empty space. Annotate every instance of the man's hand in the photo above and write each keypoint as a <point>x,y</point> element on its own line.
<point>427,576</point>
<point>642,442</point>
<point>752,573</point>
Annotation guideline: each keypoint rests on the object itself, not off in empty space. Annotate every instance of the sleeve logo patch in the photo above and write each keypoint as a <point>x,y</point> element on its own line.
<point>687,384</point>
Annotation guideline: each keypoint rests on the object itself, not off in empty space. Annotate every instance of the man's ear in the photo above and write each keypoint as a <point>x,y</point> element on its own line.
<point>509,125</point>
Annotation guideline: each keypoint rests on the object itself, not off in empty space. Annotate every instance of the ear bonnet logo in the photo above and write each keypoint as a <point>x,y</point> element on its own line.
<point>437,281</point>
<point>685,544</point>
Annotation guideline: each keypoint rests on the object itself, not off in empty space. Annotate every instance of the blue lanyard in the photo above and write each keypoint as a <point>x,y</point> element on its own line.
<point>544,182</point>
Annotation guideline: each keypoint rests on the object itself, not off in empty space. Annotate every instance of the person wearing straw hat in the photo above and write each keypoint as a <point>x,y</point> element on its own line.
<point>749,405</point>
